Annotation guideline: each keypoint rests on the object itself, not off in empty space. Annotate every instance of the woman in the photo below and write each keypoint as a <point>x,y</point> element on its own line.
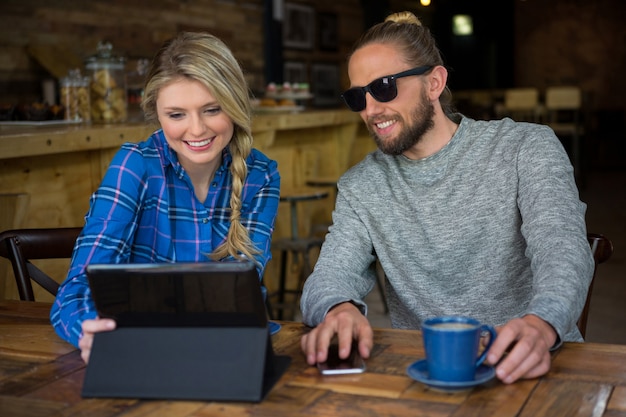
<point>194,191</point>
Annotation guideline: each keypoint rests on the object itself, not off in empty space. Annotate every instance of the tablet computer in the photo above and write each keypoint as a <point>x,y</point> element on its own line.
<point>193,331</point>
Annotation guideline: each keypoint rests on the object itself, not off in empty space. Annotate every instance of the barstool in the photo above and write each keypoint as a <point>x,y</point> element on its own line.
<point>296,246</point>
<point>380,273</point>
<point>329,183</point>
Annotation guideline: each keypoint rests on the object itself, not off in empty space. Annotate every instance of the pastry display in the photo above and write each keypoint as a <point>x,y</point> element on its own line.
<point>287,90</point>
<point>108,98</point>
<point>38,112</point>
<point>108,86</point>
<point>75,96</point>
<point>286,97</point>
<point>268,102</point>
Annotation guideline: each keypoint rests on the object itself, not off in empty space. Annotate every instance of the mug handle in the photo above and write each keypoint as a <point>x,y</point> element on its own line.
<point>485,328</point>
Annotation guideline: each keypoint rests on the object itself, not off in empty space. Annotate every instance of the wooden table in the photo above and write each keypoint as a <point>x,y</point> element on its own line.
<point>40,375</point>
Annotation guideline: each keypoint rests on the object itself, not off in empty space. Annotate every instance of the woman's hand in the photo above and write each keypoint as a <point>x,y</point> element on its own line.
<point>91,327</point>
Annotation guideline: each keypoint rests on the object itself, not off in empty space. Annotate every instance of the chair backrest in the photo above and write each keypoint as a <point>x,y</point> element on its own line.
<point>565,98</point>
<point>563,108</point>
<point>521,98</point>
<point>522,104</point>
<point>19,246</point>
<point>602,249</point>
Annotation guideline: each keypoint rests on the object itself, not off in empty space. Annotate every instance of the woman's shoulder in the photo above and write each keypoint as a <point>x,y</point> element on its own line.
<point>140,156</point>
<point>256,154</point>
<point>258,160</point>
<point>151,147</point>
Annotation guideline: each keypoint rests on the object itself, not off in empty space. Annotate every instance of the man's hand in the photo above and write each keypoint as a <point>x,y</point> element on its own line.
<point>91,327</point>
<point>346,321</point>
<point>529,339</point>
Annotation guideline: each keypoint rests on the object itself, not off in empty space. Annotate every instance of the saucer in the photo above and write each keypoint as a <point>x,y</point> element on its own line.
<point>274,327</point>
<point>417,371</point>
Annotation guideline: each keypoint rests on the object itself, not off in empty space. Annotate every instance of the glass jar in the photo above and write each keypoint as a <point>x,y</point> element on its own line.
<point>75,96</point>
<point>135,81</point>
<point>107,86</point>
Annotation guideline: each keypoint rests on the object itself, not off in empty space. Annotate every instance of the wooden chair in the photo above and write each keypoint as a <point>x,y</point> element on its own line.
<point>20,246</point>
<point>13,211</point>
<point>602,249</point>
<point>522,104</point>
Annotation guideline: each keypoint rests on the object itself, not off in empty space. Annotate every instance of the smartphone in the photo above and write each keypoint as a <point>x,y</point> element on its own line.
<point>353,364</point>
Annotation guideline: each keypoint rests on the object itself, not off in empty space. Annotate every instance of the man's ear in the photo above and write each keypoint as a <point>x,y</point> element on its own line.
<point>437,80</point>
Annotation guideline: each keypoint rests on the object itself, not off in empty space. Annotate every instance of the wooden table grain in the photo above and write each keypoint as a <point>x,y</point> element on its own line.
<point>40,375</point>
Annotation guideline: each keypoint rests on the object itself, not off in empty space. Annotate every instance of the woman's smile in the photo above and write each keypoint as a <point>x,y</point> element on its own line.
<point>199,145</point>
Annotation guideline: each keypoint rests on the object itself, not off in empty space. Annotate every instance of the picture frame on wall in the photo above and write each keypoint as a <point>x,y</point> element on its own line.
<point>298,26</point>
<point>325,85</point>
<point>295,72</point>
<point>327,30</point>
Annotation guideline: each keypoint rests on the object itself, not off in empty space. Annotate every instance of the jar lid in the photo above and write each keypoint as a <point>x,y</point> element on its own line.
<point>73,78</point>
<point>104,58</point>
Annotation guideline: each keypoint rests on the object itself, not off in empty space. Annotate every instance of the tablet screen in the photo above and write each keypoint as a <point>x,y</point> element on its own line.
<point>179,294</point>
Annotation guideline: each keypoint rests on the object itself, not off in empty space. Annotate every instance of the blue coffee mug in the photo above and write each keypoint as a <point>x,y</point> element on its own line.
<point>451,344</point>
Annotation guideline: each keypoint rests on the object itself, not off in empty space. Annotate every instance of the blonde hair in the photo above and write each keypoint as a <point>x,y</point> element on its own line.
<point>414,41</point>
<point>205,58</point>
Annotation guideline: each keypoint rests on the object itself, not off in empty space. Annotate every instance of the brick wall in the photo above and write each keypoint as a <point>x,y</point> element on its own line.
<point>136,29</point>
<point>573,42</point>
<point>556,41</point>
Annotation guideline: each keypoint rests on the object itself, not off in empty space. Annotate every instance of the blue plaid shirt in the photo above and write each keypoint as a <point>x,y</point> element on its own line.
<point>145,211</point>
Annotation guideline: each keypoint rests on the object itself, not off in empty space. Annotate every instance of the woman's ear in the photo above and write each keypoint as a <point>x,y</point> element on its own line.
<point>437,80</point>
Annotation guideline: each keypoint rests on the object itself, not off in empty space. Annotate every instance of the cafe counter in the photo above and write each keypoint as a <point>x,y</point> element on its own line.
<point>59,166</point>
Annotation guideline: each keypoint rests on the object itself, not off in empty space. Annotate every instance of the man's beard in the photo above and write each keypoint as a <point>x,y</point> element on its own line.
<point>422,122</point>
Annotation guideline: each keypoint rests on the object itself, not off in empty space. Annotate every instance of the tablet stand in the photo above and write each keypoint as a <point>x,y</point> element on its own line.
<point>190,363</point>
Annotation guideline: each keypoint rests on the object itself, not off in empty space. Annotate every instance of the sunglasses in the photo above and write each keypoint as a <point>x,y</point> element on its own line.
<point>383,89</point>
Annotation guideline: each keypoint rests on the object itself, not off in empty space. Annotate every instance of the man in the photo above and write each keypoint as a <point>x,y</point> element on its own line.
<point>477,218</point>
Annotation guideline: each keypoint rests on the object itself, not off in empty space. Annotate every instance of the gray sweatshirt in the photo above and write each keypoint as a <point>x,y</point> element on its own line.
<point>491,226</point>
